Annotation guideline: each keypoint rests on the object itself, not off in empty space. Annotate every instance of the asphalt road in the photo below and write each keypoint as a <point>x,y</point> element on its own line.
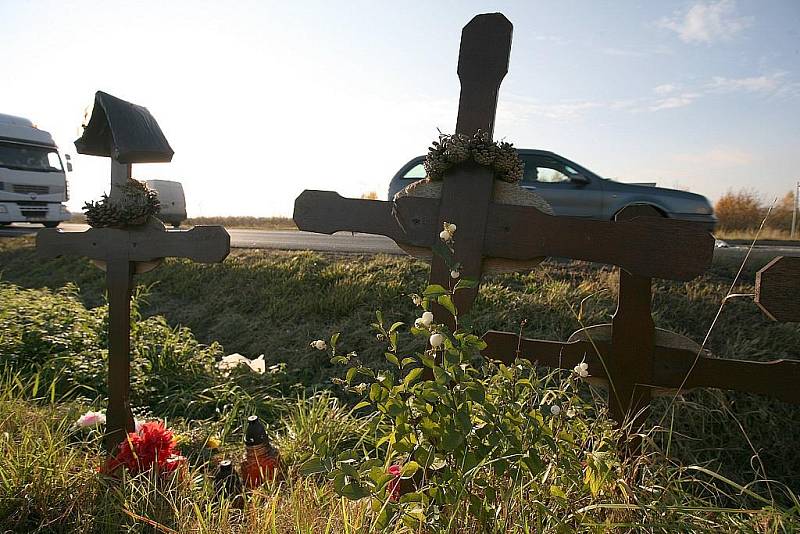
<point>346,242</point>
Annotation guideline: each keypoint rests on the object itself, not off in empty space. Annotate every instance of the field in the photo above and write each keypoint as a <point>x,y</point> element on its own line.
<point>274,303</point>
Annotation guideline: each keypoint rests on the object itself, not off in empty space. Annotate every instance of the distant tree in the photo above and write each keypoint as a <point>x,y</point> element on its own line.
<point>740,210</point>
<point>781,216</point>
<point>370,195</point>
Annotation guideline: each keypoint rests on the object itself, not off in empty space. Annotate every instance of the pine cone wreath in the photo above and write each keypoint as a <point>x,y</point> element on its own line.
<point>451,150</point>
<point>132,207</point>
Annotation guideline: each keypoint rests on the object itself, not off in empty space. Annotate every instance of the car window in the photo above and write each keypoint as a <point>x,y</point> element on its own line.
<point>546,170</point>
<point>416,172</point>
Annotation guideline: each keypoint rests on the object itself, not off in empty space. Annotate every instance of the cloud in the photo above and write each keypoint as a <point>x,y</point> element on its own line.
<point>665,89</point>
<point>707,22</point>
<point>673,102</point>
<point>719,157</point>
<point>754,84</point>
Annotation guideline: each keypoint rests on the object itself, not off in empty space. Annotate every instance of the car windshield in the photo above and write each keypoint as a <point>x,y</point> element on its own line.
<point>29,158</point>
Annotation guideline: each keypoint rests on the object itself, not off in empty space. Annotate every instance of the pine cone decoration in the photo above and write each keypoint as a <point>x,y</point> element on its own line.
<point>507,164</point>
<point>483,149</point>
<point>451,150</point>
<point>132,207</point>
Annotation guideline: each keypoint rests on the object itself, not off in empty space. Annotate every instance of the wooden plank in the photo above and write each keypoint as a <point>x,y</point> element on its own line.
<point>648,246</point>
<point>653,247</point>
<point>630,364</point>
<point>410,221</point>
<point>483,58</point>
<point>778,289</point>
<point>119,418</point>
<point>777,378</point>
<point>206,244</point>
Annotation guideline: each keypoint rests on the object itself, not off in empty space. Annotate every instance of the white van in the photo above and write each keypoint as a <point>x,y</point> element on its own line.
<point>173,201</point>
<point>33,184</point>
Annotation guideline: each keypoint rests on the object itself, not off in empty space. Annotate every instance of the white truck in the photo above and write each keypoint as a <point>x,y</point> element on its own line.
<point>33,182</point>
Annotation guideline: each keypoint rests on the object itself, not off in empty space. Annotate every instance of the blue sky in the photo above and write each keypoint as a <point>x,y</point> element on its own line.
<point>261,100</point>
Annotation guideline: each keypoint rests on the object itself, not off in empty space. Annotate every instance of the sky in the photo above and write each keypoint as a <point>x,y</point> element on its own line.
<point>262,99</point>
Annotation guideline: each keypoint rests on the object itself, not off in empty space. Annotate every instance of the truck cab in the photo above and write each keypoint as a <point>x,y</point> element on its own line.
<point>33,181</point>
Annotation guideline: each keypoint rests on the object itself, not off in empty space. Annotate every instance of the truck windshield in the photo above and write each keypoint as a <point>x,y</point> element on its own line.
<point>29,158</point>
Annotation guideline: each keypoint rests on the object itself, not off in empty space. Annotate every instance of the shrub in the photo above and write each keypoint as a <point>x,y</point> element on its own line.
<point>739,210</point>
<point>53,337</point>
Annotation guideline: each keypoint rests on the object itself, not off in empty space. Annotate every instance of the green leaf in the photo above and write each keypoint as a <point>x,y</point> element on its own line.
<point>312,467</point>
<point>353,491</point>
<point>395,326</point>
<point>362,404</point>
<point>391,358</point>
<point>412,375</point>
<point>351,374</point>
<point>409,468</point>
<point>447,303</point>
<point>465,283</point>
<point>434,290</point>
<point>334,339</point>
<point>408,361</point>
<point>348,469</point>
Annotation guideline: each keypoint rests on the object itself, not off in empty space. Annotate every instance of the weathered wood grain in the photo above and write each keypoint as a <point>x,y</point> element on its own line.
<point>778,289</point>
<point>654,247</point>
<point>671,366</point>
<point>204,244</point>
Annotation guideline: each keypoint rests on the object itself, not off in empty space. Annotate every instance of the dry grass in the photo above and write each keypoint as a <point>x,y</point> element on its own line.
<point>260,223</point>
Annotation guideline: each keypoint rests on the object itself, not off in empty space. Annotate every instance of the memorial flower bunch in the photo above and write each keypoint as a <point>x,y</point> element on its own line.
<point>458,433</point>
<point>153,446</point>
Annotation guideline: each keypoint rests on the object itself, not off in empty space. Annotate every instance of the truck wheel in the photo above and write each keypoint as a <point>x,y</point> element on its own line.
<point>52,224</point>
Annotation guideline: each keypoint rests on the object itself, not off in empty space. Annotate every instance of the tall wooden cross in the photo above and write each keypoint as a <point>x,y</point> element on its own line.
<point>127,134</point>
<point>633,355</point>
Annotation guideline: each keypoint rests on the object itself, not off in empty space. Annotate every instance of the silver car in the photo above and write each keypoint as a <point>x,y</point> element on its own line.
<point>576,191</point>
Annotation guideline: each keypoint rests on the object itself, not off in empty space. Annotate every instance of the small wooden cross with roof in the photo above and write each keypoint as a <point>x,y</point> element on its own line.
<point>128,134</point>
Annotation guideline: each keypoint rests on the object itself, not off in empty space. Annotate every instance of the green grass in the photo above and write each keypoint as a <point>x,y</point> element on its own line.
<point>275,303</point>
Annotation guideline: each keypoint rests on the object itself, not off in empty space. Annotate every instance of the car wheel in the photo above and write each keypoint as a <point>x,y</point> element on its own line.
<point>52,224</point>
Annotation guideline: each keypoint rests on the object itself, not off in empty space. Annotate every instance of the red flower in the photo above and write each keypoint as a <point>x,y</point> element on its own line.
<point>394,485</point>
<point>152,445</point>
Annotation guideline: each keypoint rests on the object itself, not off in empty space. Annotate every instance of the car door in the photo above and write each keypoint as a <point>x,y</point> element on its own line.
<point>568,191</point>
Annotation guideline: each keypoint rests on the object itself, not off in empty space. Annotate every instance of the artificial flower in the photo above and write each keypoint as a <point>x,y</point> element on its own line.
<point>393,488</point>
<point>91,419</point>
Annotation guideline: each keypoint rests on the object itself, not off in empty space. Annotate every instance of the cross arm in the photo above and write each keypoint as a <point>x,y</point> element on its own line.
<point>652,247</point>
<point>647,246</point>
<point>671,366</point>
<point>408,220</point>
<point>207,244</point>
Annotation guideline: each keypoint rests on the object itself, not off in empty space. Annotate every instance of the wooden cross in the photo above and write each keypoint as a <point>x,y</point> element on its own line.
<point>635,357</point>
<point>124,252</point>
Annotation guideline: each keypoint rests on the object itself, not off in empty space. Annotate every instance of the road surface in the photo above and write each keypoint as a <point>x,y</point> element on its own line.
<point>346,242</point>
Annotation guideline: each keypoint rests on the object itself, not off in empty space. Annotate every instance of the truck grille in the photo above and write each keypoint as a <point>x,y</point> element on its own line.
<point>28,189</point>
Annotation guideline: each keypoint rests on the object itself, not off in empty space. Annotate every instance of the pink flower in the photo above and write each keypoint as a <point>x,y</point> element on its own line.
<point>394,484</point>
<point>91,419</point>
